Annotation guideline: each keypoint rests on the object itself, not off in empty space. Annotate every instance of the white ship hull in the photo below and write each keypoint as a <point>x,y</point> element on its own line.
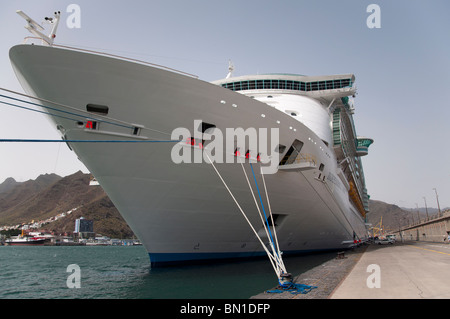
<point>182,212</point>
<point>25,241</point>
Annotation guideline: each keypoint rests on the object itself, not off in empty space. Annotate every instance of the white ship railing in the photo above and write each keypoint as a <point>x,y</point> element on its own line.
<point>27,39</point>
<point>306,158</point>
<point>36,29</point>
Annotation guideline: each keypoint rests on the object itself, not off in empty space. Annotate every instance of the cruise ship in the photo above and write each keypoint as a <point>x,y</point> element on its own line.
<point>187,197</point>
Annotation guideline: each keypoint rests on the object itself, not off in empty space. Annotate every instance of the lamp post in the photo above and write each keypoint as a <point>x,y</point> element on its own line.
<point>426,208</point>
<point>418,214</point>
<point>437,199</point>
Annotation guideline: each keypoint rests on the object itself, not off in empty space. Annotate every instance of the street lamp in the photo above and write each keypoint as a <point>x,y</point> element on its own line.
<point>437,199</point>
<point>418,214</point>
<point>426,208</point>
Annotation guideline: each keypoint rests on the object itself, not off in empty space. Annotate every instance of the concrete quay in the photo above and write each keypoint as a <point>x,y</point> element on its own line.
<point>409,270</point>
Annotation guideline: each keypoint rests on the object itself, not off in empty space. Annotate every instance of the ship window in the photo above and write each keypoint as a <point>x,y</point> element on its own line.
<point>292,113</point>
<point>321,167</point>
<point>259,84</point>
<point>275,84</point>
<point>292,153</point>
<point>289,85</point>
<point>329,85</point>
<point>99,109</point>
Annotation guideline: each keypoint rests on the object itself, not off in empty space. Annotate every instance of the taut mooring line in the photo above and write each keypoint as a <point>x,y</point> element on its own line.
<point>85,141</point>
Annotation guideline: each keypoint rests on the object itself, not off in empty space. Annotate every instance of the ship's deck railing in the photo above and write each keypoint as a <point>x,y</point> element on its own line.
<point>305,158</point>
<point>29,39</point>
<point>26,39</point>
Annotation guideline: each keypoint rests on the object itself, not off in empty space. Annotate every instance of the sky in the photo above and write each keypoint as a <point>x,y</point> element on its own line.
<point>402,72</point>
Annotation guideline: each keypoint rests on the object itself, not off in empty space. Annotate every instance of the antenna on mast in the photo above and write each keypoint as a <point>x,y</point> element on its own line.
<point>230,69</point>
<point>36,29</point>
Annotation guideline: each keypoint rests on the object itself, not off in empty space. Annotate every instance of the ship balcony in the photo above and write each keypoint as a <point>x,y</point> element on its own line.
<point>362,145</point>
<point>300,163</point>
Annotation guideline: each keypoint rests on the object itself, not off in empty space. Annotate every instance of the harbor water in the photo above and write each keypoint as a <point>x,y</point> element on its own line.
<point>122,272</point>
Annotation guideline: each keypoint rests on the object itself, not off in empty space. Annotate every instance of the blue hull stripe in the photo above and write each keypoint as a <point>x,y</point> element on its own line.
<point>162,259</point>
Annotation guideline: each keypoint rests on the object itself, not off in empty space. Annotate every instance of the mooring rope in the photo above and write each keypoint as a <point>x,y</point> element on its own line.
<point>271,257</point>
<point>281,263</point>
<point>84,116</point>
<point>76,111</point>
<point>254,199</point>
<point>274,257</point>
<point>85,141</point>
<point>271,218</point>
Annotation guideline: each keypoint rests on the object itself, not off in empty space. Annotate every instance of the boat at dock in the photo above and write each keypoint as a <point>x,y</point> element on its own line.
<point>151,137</point>
<point>24,240</point>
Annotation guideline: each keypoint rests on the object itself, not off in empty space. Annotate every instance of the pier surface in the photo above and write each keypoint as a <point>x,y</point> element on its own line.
<point>409,270</point>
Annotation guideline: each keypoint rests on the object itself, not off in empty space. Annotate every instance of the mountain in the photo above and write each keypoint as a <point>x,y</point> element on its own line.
<point>8,184</point>
<point>391,216</point>
<point>50,195</point>
<point>394,216</point>
<point>12,193</point>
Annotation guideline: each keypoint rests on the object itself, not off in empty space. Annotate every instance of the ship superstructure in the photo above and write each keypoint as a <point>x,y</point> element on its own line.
<point>325,105</point>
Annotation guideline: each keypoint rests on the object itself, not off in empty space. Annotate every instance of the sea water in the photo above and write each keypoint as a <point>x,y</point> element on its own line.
<point>124,272</point>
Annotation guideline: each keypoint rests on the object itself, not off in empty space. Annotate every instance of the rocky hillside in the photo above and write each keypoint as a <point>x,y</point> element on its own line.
<point>393,216</point>
<point>50,195</point>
